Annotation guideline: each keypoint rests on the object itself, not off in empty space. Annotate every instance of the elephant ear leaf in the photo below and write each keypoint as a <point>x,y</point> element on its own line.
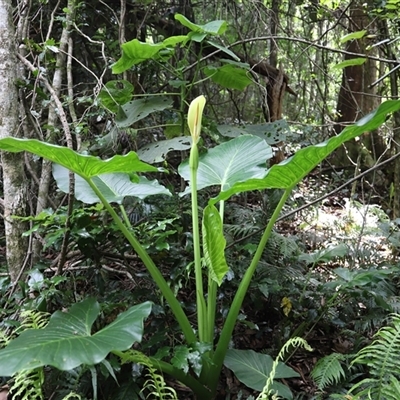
<point>238,160</point>
<point>114,187</point>
<point>66,342</point>
<point>288,173</point>
<point>83,165</point>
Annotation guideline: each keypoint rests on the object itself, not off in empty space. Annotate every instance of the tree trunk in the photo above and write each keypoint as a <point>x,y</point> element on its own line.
<point>356,98</point>
<point>14,180</point>
<point>393,171</point>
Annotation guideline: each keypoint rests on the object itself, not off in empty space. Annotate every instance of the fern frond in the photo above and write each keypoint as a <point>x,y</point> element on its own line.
<point>293,342</point>
<point>239,231</point>
<point>285,247</point>
<point>4,339</point>
<point>155,382</point>
<point>72,395</point>
<point>392,390</point>
<point>157,387</point>
<point>370,390</point>
<point>27,385</point>
<point>328,370</point>
<point>382,357</point>
<point>33,319</point>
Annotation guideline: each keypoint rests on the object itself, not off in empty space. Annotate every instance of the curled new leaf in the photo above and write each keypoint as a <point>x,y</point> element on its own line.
<point>195,115</point>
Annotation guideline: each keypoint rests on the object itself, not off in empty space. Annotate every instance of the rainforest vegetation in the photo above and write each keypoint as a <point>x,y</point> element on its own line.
<point>199,200</point>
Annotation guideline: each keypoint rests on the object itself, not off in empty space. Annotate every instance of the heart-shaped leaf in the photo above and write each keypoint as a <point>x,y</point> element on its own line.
<point>66,342</point>
<point>83,165</point>
<point>114,187</point>
<point>229,76</point>
<point>253,369</point>
<point>288,173</point>
<point>135,52</point>
<point>235,161</point>
<point>115,93</point>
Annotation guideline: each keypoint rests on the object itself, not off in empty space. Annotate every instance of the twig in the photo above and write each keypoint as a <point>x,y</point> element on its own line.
<point>311,44</point>
<point>71,191</point>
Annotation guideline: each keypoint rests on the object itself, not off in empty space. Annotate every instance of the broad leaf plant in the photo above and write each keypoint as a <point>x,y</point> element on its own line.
<point>227,166</point>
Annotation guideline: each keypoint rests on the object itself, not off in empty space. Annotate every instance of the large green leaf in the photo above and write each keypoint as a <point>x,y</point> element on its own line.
<point>66,342</point>
<point>289,172</point>
<point>136,110</point>
<point>115,93</point>
<point>114,187</point>
<point>174,40</point>
<point>135,52</point>
<point>235,161</point>
<point>214,244</point>
<point>83,165</point>
<point>253,370</point>
<point>229,76</point>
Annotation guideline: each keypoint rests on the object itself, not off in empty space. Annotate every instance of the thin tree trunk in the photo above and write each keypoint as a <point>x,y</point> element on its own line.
<point>394,171</point>
<point>14,180</point>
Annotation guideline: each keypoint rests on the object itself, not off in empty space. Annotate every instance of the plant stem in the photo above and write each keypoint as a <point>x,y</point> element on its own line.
<point>200,302</point>
<point>152,268</point>
<point>226,334</point>
<point>200,391</point>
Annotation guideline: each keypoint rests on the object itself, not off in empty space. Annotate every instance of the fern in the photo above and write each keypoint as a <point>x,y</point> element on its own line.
<point>4,339</point>
<point>157,386</point>
<point>155,382</point>
<point>392,389</point>
<point>328,370</point>
<point>267,391</point>
<point>27,385</point>
<point>32,319</point>
<point>239,231</point>
<point>282,246</point>
<point>72,395</point>
<point>383,360</point>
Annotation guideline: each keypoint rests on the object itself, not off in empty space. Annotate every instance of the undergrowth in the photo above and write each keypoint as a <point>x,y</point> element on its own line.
<point>334,287</point>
